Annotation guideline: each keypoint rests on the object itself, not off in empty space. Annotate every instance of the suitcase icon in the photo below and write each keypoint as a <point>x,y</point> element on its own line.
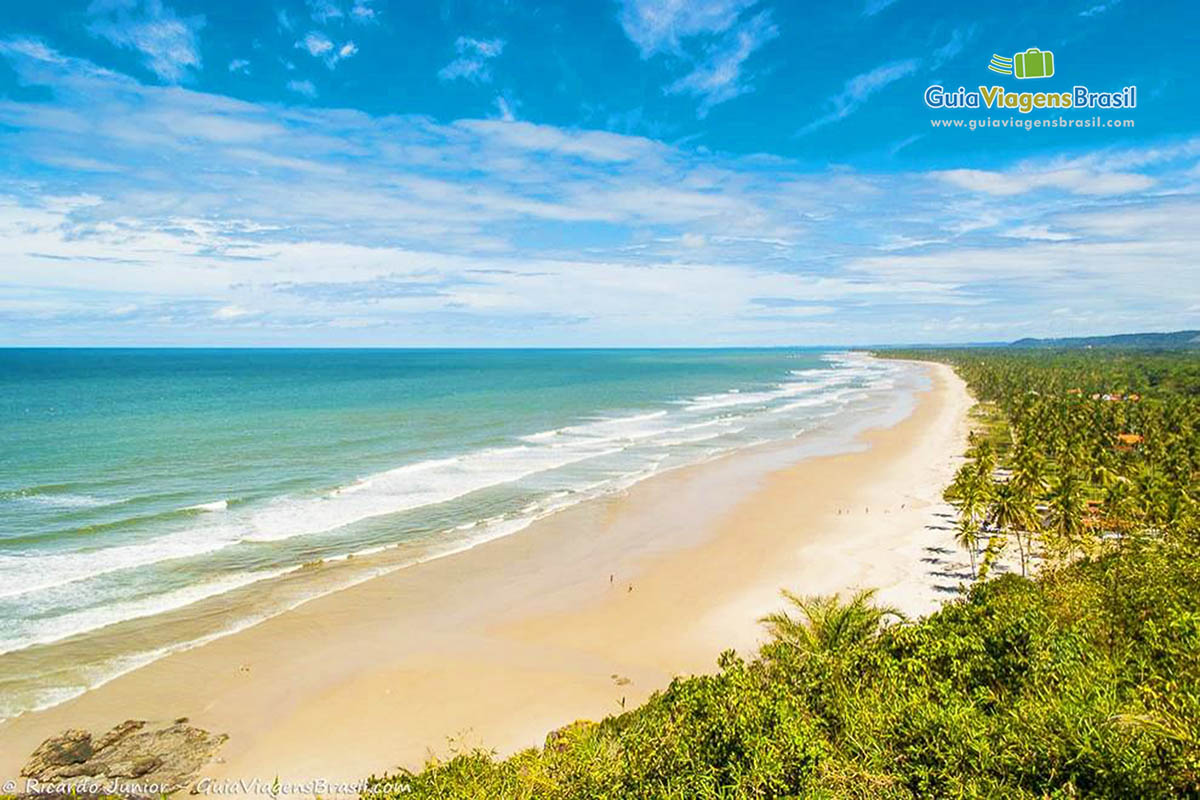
<point>1033,63</point>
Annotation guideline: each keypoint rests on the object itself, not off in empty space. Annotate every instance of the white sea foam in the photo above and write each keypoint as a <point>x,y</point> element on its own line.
<point>402,489</point>
<point>412,486</point>
<point>26,573</point>
<point>66,500</point>
<point>604,429</point>
<point>703,437</point>
<point>96,617</point>
<point>828,379</point>
<point>216,505</point>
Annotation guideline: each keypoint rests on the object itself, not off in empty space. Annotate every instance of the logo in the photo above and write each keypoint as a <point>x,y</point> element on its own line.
<point>1033,63</point>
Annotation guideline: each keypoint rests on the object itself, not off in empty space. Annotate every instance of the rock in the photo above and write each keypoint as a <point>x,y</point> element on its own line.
<point>79,770</point>
<point>120,732</point>
<point>135,768</point>
<point>168,757</point>
<point>71,747</point>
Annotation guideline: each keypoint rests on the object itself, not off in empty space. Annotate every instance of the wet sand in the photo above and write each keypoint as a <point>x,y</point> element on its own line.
<point>580,614</point>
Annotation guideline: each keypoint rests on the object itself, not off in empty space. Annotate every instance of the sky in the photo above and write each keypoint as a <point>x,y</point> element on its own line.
<point>589,173</point>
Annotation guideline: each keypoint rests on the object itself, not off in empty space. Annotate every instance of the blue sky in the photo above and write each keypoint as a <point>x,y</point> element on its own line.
<point>619,172</point>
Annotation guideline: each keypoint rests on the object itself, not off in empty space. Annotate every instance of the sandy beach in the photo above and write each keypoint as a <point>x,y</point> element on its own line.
<point>579,615</point>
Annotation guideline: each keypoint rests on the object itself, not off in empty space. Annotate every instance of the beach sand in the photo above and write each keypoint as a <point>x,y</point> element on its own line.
<point>579,615</point>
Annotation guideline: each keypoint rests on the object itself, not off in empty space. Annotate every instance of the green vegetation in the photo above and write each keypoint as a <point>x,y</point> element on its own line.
<point>1077,450</point>
<point>1082,680</point>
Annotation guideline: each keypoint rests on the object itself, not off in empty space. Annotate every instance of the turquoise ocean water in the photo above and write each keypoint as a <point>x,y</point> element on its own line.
<point>149,498</point>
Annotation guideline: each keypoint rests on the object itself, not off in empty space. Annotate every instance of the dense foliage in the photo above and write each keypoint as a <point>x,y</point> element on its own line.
<point>1084,448</point>
<point>1083,680</point>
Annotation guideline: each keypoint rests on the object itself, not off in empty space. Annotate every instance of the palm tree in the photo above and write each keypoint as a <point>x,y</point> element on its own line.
<point>966,538</point>
<point>972,500</point>
<point>1068,508</point>
<point>985,460</point>
<point>991,551</point>
<point>1029,473</point>
<point>825,624</point>
<point>1011,511</point>
<point>1102,475</point>
<point>1121,505</point>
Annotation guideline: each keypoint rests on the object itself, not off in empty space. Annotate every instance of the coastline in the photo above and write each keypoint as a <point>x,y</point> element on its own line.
<point>499,644</point>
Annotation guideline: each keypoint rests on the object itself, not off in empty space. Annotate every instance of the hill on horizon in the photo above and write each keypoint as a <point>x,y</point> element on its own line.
<point>1176,340</point>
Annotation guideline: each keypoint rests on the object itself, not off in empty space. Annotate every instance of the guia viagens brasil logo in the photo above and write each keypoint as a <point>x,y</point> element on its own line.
<point>1025,65</point>
<point>1033,63</point>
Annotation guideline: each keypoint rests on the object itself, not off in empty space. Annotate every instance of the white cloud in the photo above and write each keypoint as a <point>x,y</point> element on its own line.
<point>708,35</point>
<point>505,109</point>
<point>324,10</point>
<point>240,65</point>
<point>1076,181</point>
<point>657,26</point>
<point>894,242</point>
<point>1170,221</point>
<point>719,78</point>
<point>472,62</point>
<point>1117,262</point>
<point>595,146</point>
<point>905,142</point>
<point>1112,159</point>
<point>169,45</point>
<point>958,39</point>
<point>362,11</point>
<point>316,43</point>
<point>861,87</point>
<point>305,88</point>
<point>321,46</point>
<point>1038,232</point>
<point>1099,8</point>
<point>875,6</point>
<point>231,312</point>
<point>33,49</point>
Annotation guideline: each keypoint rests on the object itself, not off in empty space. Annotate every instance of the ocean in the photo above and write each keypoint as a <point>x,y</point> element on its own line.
<point>154,499</point>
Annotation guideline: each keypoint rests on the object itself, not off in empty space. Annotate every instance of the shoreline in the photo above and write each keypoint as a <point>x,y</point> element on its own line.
<point>499,644</point>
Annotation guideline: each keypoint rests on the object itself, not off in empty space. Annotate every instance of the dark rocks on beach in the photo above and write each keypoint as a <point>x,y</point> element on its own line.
<point>167,758</point>
<point>60,752</point>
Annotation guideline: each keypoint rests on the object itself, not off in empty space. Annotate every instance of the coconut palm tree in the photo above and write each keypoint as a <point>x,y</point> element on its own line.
<point>1121,505</point>
<point>1068,509</point>
<point>825,624</point>
<point>985,460</point>
<point>966,537</point>
<point>996,543</point>
<point>1012,512</point>
<point>1029,472</point>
